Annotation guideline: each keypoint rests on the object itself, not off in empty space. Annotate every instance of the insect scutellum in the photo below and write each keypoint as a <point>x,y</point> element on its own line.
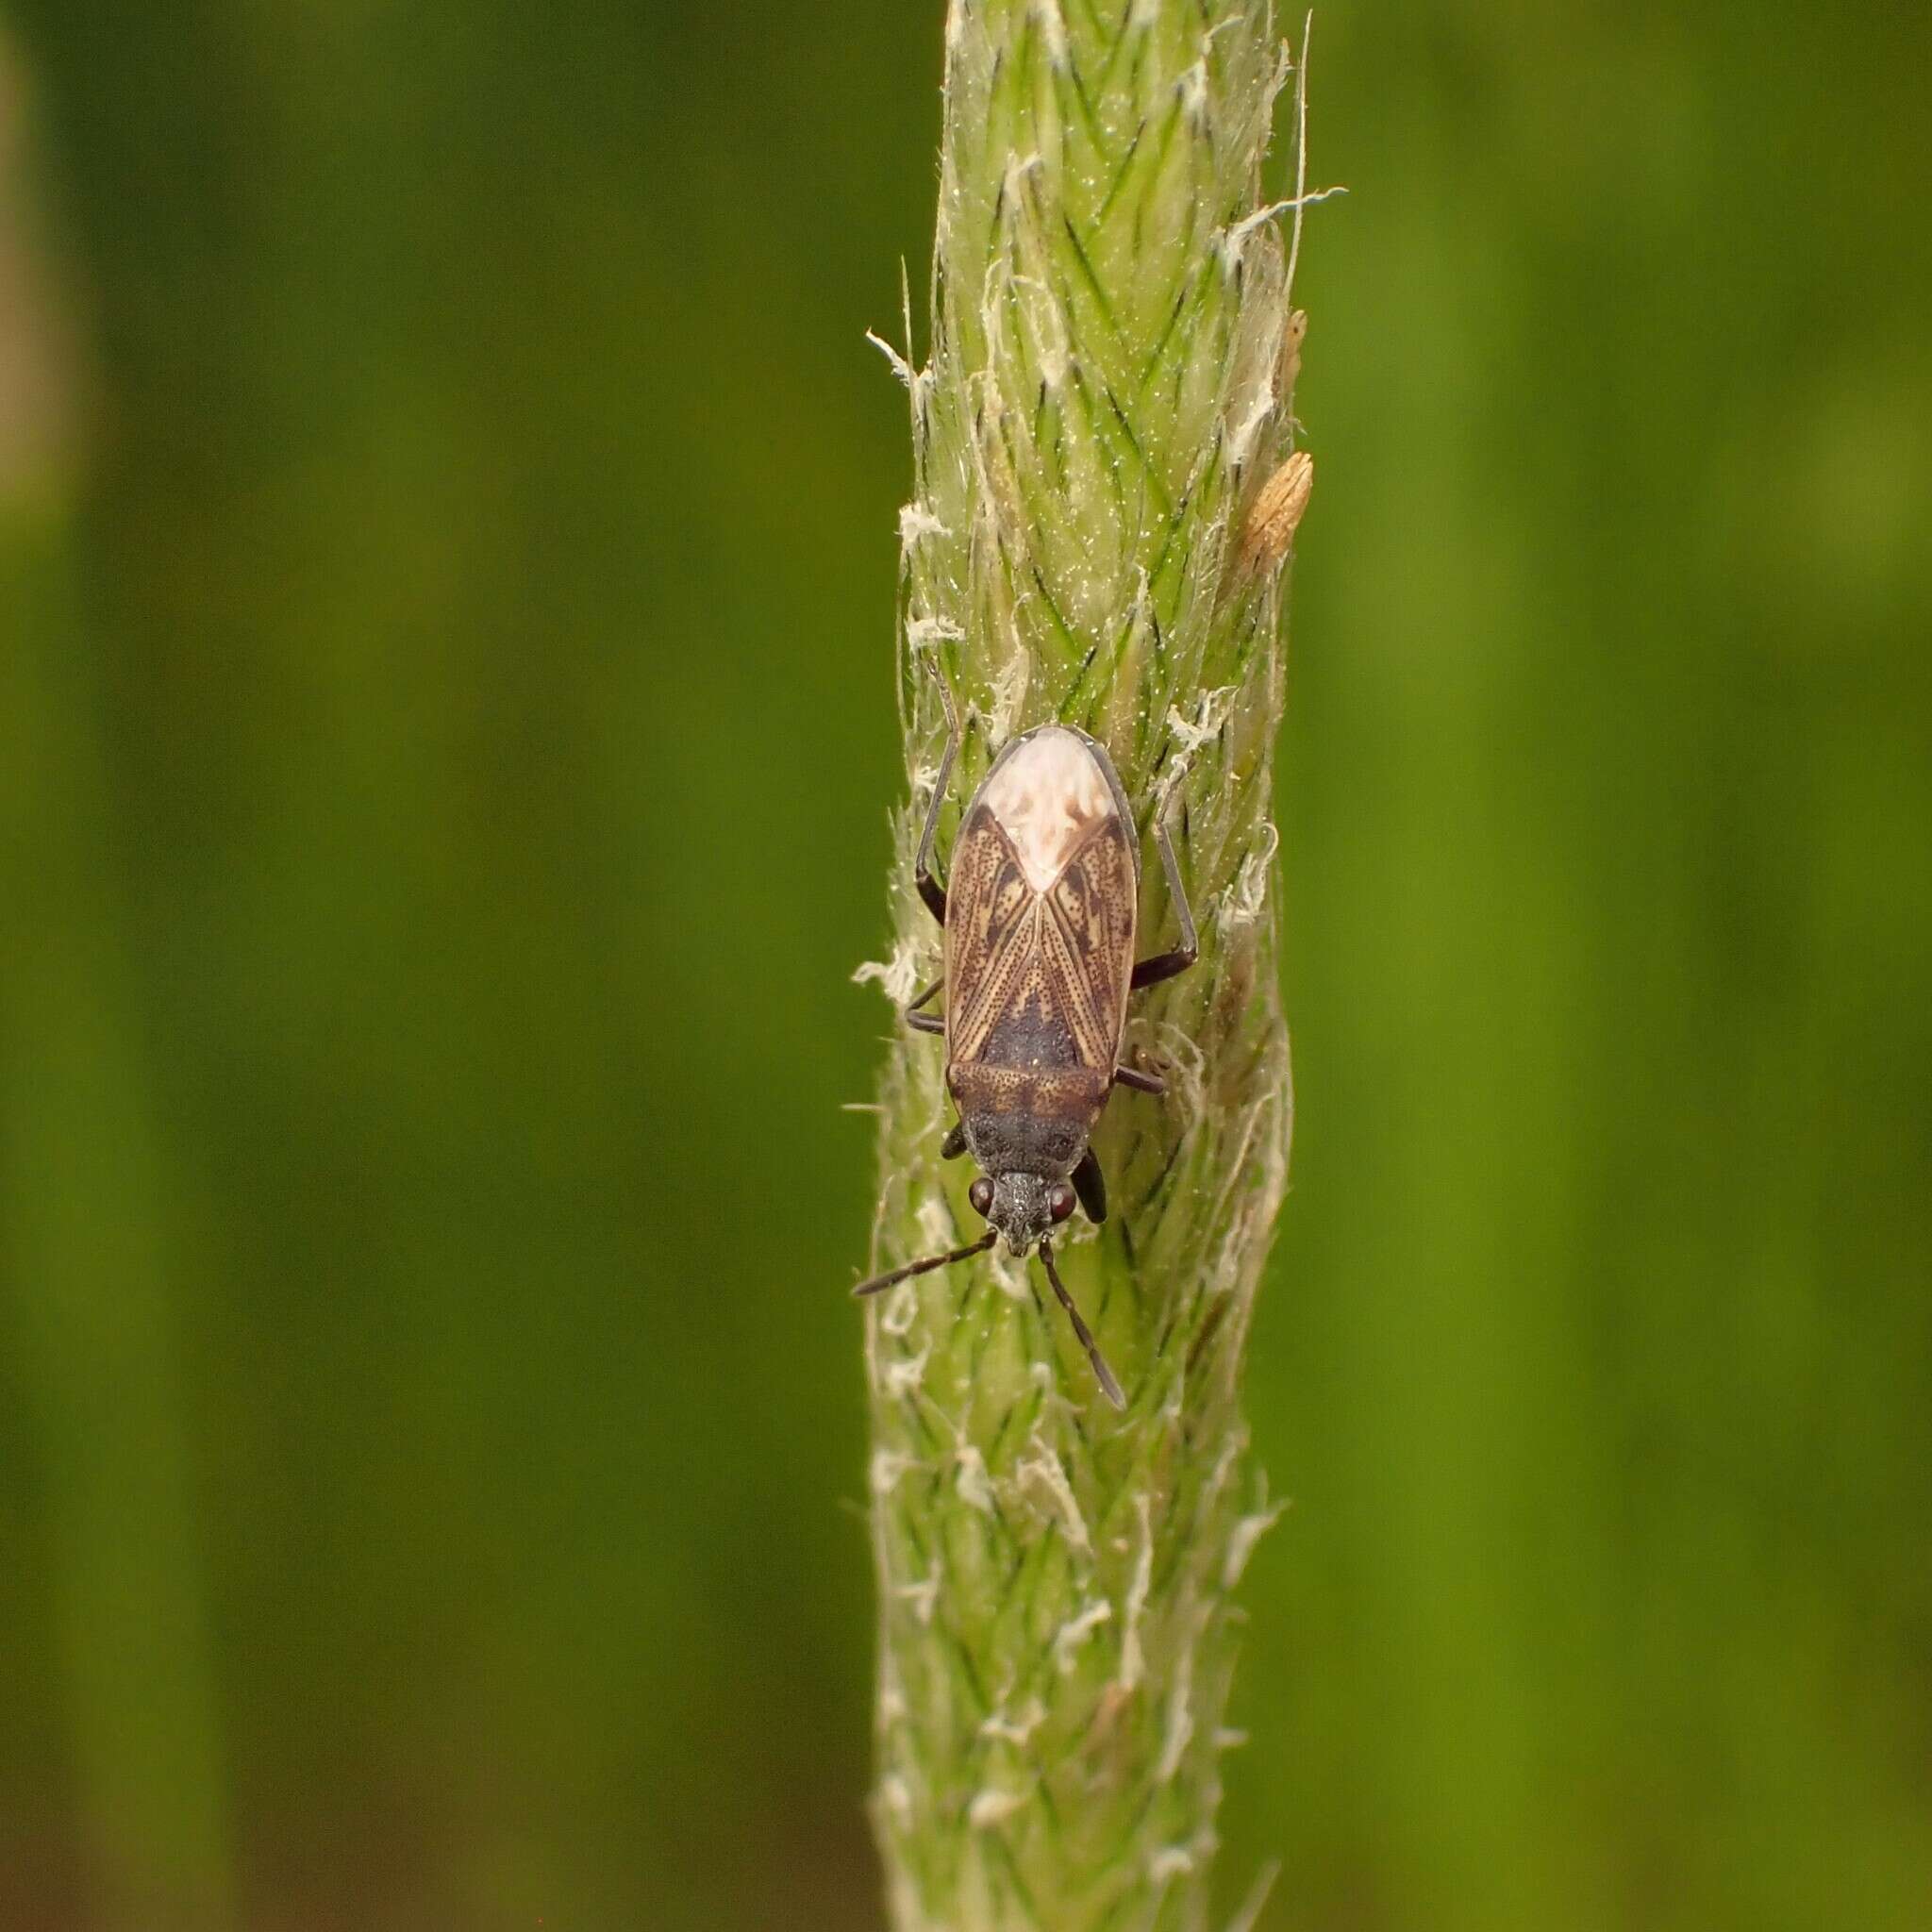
<point>1038,917</point>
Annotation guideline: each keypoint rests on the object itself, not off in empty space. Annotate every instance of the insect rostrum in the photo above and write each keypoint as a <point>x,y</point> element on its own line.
<point>1040,925</point>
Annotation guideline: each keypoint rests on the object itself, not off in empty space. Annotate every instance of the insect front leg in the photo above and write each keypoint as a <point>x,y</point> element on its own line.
<point>954,1143</point>
<point>925,1023</point>
<point>1090,1185</point>
<point>1165,965</point>
<point>1140,1082</point>
<point>932,889</point>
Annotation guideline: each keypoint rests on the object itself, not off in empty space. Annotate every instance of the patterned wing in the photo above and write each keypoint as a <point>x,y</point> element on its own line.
<point>1087,943</point>
<point>1038,981</point>
<point>990,917</point>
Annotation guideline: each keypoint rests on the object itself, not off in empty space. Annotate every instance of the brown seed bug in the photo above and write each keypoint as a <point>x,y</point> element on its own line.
<point>1038,918</point>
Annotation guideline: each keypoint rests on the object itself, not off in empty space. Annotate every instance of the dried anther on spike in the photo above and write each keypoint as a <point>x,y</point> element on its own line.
<point>1268,533</point>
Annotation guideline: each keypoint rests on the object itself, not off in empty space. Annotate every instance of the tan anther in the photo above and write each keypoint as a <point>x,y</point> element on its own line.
<point>1268,533</point>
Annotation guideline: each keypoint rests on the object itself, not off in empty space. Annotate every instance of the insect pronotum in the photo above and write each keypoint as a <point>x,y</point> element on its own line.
<point>1039,916</point>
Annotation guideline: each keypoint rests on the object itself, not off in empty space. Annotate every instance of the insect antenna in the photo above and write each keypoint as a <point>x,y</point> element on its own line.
<point>894,1275</point>
<point>1102,1372</point>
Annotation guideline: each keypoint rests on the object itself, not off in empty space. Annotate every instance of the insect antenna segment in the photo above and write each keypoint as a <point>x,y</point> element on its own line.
<point>894,1275</point>
<point>1102,1372</point>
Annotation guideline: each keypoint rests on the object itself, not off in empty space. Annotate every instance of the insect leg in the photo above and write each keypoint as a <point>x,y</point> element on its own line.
<point>925,1023</point>
<point>1140,1082</point>
<point>931,889</point>
<point>1165,965</point>
<point>1090,1185</point>
<point>954,1143</point>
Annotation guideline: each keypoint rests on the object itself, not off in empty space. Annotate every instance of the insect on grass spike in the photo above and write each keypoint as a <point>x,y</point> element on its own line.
<point>1038,917</point>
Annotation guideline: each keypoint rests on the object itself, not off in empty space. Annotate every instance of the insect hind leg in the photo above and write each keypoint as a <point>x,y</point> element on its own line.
<point>932,889</point>
<point>1165,965</point>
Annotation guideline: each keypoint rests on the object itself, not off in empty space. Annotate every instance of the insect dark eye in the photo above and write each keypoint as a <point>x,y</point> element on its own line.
<point>1059,1203</point>
<point>980,1194</point>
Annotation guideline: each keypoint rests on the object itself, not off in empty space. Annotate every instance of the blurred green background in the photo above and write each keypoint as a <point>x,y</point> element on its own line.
<point>446,526</point>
